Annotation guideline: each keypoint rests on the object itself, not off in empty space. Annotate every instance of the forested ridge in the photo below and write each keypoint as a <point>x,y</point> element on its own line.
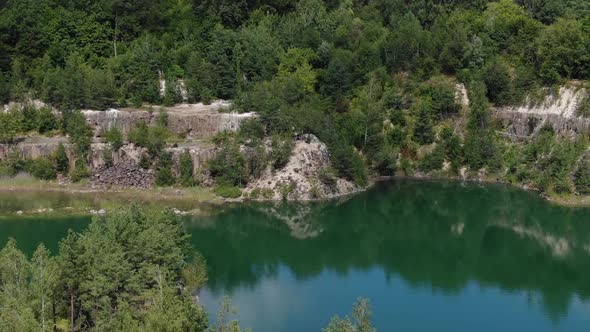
<point>375,80</point>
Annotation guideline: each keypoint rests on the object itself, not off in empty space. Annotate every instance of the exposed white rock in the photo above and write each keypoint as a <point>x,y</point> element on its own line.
<point>300,179</point>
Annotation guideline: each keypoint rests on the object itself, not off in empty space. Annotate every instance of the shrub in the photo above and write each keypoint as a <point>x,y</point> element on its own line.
<point>152,138</point>
<point>281,148</point>
<point>186,169</point>
<point>227,191</point>
<point>46,120</point>
<point>349,164</point>
<point>107,154</point>
<point>43,168</point>
<point>164,176</point>
<point>434,160</point>
<point>80,171</point>
<point>582,177</point>
<point>62,163</point>
<point>328,177</point>
<point>229,166</point>
<point>80,133</point>
<point>252,129</point>
<point>114,137</point>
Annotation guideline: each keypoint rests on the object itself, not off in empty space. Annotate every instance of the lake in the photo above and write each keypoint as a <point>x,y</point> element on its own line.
<point>430,256</point>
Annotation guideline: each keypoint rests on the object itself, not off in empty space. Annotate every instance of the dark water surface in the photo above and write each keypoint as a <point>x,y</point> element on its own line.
<point>431,256</point>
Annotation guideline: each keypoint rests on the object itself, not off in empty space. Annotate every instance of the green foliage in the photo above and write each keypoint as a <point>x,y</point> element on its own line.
<point>141,272</point>
<point>563,49</point>
<point>46,120</point>
<point>498,81</point>
<point>10,125</point>
<point>441,91</point>
<point>582,176</point>
<point>186,166</point>
<point>281,148</point>
<point>359,322</point>
<point>114,138</point>
<point>434,160</point>
<point>80,171</point>
<point>79,132</point>
<point>107,155</point>
<point>43,168</point>
<point>423,132</point>
<point>229,165</point>
<point>62,162</point>
<point>349,164</point>
<point>152,138</point>
<point>227,191</point>
<point>480,145</point>
<point>164,176</point>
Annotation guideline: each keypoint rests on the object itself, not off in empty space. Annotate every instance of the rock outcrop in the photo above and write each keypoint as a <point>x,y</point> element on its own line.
<point>303,177</point>
<point>190,120</point>
<point>556,110</point>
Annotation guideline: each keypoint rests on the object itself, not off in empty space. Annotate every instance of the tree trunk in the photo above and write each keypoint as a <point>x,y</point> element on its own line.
<point>71,310</point>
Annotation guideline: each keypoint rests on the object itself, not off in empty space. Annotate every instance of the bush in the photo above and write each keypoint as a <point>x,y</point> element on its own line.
<point>43,168</point>
<point>227,191</point>
<point>164,176</point>
<point>80,171</point>
<point>582,177</point>
<point>107,154</point>
<point>441,90</point>
<point>62,162</point>
<point>152,138</point>
<point>252,129</point>
<point>281,148</point>
<point>349,164</point>
<point>80,133</point>
<point>186,169</point>
<point>229,166</point>
<point>434,160</point>
<point>46,120</point>
<point>114,137</point>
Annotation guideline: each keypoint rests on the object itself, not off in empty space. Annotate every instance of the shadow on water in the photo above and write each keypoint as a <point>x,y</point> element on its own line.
<point>437,235</point>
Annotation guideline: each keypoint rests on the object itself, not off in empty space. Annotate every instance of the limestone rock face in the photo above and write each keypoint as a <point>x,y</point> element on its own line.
<point>192,120</point>
<point>556,110</point>
<point>301,178</point>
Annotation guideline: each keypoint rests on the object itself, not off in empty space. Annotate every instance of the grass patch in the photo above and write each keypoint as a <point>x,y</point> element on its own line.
<point>227,191</point>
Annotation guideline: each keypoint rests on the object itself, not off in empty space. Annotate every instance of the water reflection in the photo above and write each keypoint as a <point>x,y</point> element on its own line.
<point>438,236</point>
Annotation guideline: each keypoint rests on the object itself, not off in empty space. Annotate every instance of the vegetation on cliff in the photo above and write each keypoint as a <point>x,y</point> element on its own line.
<point>375,80</point>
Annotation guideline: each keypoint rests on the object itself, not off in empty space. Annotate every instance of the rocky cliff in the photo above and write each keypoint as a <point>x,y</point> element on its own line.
<point>192,120</point>
<point>306,176</point>
<point>557,109</point>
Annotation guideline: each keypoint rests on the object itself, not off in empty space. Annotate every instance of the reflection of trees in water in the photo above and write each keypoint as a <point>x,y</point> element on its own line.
<point>411,230</point>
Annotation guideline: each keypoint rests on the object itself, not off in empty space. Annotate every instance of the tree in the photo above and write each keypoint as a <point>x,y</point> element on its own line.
<point>46,120</point>
<point>10,125</point>
<point>62,162</point>
<point>498,81</point>
<point>164,176</point>
<point>423,133</point>
<point>360,321</point>
<point>480,147</point>
<point>79,132</point>
<point>44,279</point>
<point>582,177</point>
<point>186,169</point>
<point>563,50</point>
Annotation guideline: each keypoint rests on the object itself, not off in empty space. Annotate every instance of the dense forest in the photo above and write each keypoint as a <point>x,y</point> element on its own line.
<point>375,79</point>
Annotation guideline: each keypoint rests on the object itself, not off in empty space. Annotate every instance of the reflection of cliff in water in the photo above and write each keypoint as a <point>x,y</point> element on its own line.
<point>434,235</point>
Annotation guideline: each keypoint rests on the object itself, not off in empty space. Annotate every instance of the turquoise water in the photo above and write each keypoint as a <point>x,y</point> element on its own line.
<point>431,256</point>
